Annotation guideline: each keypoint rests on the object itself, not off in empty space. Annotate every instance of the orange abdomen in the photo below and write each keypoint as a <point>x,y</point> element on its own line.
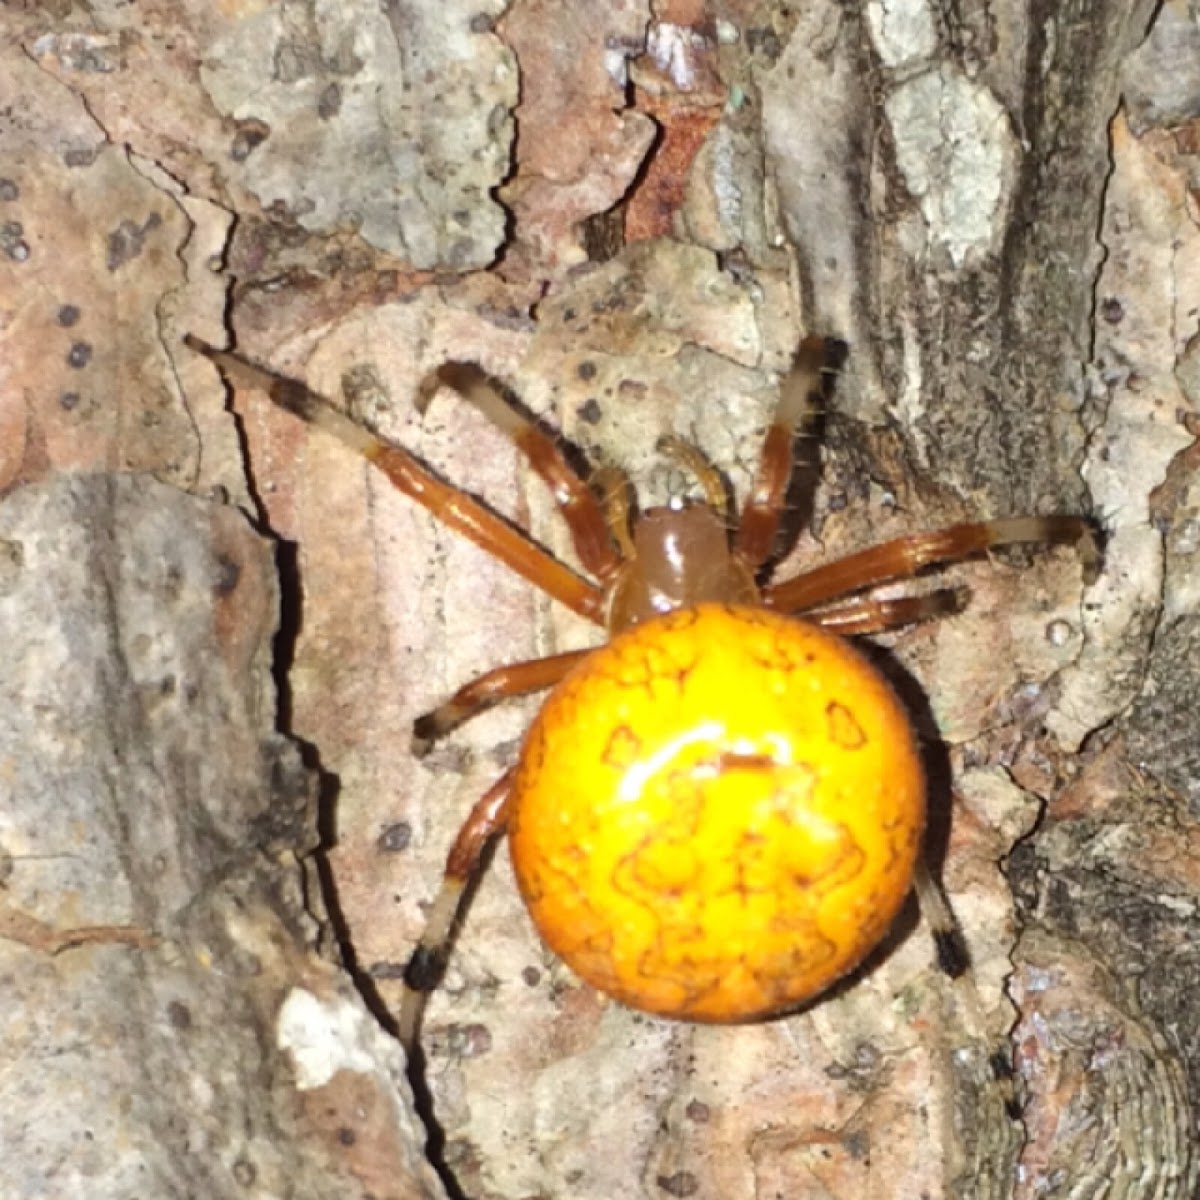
<point>717,814</point>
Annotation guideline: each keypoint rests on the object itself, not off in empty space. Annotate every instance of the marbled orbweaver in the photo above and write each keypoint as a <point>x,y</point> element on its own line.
<point>718,813</point>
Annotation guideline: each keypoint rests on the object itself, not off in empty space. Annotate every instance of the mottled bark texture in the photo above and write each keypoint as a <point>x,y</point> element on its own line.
<point>631,212</point>
<point>170,1027</point>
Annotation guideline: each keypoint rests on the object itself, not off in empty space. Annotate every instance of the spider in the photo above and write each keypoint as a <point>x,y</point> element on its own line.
<point>718,813</point>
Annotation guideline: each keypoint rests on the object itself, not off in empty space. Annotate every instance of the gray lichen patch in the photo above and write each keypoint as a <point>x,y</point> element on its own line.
<point>147,802</point>
<point>956,151</point>
<point>390,119</point>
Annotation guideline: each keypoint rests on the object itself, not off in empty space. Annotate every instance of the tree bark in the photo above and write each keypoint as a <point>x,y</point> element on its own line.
<point>631,213</point>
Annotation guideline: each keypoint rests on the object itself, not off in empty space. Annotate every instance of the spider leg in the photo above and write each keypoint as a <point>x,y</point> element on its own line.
<point>452,506</point>
<point>691,458</point>
<point>906,556</point>
<point>955,963</point>
<point>799,397</point>
<point>576,501</point>
<point>947,941</point>
<point>869,615</point>
<point>516,679</point>
<point>612,486</point>
<point>428,962</point>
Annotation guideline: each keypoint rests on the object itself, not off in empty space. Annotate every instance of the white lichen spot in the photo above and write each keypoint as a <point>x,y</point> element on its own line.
<point>322,1037</point>
<point>1059,632</point>
<point>728,33</point>
<point>955,148</point>
<point>673,47</point>
<point>616,64</point>
<point>902,31</point>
